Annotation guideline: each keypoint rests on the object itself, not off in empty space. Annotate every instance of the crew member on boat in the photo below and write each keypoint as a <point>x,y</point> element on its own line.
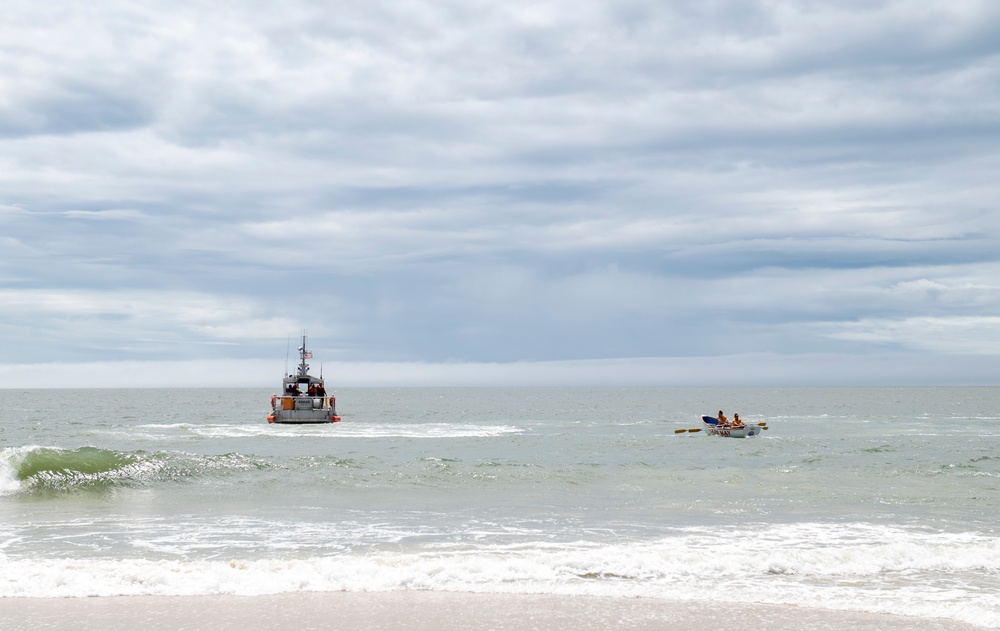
<point>722,419</point>
<point>736,421</point>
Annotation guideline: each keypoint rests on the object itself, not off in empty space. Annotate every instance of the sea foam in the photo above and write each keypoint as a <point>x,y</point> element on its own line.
<point>852,567</point>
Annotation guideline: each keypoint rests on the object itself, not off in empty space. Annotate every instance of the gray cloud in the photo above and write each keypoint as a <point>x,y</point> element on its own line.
<point>491,183</point>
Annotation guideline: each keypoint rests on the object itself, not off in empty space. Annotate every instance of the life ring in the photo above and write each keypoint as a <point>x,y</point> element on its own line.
<point>272,400</point>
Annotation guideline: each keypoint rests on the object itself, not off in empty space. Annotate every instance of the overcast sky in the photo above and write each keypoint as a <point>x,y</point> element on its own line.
<point>704,191</point>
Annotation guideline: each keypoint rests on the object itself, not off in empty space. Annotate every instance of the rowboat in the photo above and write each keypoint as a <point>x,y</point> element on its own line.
<point>741,431</point>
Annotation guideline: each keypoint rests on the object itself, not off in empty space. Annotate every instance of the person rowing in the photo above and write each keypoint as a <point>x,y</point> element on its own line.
<point>736,421</point>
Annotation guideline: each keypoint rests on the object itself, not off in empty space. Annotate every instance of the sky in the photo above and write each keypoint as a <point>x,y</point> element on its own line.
<point>621,192</point>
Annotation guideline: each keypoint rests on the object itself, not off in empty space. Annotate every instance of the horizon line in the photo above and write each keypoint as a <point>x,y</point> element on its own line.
<point>757,369</point>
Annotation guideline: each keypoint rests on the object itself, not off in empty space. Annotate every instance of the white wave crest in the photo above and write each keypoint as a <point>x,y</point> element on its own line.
<point>846,567</point>
<point>337,430</point>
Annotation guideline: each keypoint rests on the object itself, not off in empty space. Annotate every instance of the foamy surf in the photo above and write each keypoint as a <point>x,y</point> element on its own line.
<point>905,572</point>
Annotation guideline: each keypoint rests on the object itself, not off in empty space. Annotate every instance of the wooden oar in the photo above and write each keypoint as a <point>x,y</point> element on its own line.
<point>681,431</point>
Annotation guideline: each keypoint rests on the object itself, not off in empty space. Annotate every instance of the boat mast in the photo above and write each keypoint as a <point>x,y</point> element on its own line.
<point>288,351</point>
<point>303,356</point>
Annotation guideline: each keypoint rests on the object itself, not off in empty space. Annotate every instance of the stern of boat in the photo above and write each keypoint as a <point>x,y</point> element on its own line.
<point>303,409</point>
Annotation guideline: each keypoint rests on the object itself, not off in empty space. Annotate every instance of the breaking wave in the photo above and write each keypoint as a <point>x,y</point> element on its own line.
<point>39,470</point>
<point>906,572</point>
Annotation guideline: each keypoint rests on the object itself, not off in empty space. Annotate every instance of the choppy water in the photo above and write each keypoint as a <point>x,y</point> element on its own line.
<point>861,499</point>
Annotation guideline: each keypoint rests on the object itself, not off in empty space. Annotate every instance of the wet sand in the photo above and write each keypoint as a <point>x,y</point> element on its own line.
<point>437,611</point>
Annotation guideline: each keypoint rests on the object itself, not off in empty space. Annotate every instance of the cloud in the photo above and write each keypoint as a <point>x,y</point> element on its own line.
<point>75,323</point>
<point>967,335</point>
<point>434,182</point>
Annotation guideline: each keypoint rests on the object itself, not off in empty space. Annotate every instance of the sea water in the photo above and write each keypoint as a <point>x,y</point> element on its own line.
<point>854,499</point>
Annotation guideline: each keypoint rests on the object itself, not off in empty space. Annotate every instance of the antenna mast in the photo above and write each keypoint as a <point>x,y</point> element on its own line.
<point>303,356</point>
<point>288,350</point>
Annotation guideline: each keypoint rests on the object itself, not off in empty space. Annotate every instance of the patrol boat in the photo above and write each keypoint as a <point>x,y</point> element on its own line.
<point>303,398</point>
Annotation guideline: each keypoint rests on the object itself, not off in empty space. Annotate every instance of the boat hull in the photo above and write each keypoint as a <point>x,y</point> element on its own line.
<point>712,424</point>
<point>286,420</point>
<point>735,432</point>
<point>303,409</point>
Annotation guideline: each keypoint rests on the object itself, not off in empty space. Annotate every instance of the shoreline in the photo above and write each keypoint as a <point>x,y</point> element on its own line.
<point>440,611</point>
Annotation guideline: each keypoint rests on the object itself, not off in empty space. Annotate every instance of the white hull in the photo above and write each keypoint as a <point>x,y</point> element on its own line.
<point>735,432</point>
<point>712,425</point>
<point>303,409</point>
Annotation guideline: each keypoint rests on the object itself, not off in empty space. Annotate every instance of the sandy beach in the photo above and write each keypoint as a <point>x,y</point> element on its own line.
<point>440,611</point>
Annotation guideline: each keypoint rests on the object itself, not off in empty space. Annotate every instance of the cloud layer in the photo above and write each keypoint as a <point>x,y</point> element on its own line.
<point>472,182</point>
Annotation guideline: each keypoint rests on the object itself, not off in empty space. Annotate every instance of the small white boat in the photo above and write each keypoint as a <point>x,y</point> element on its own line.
<point>303,397</point>
<point>738,431</point>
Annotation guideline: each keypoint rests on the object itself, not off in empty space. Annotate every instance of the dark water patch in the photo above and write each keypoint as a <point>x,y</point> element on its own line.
<point>327,462</point>
<point>605,576</point>
<point>881,449</point>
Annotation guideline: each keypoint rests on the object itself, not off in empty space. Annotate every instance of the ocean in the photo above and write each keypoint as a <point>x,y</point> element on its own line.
<point>878,500</point>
